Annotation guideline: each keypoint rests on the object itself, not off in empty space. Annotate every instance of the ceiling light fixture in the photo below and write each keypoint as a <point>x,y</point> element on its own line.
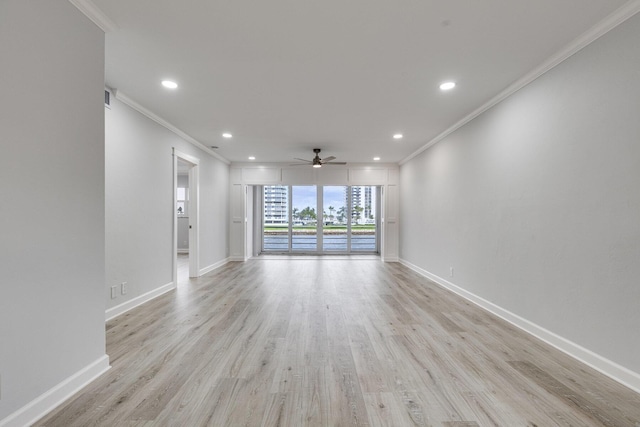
<point>252,158</point>
<point>397,136</point>
<point>447,85</point>
<point>376,158</point>
<point>226,135</point>
<point>169,84</point>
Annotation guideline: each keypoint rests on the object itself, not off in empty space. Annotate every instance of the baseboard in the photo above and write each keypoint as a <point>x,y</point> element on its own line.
<point>139,300</point>
<point>391,259</point>
<point>237,258</point>
<point>213,266</point>
<point>609,368</point>
<point>183,251</point>
<point>45,403</point>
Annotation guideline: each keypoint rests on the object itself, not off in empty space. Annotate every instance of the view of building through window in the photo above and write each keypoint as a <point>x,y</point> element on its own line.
<point>333,219</point>
<point>276,204</point>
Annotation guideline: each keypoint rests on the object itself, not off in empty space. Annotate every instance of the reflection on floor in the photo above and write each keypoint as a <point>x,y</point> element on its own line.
<point>183,268</point>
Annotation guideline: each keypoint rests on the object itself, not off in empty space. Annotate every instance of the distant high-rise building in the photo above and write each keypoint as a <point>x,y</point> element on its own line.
<point>358,196</point>
<point>369,194</point>
<point>276,204</point>
<point>363,204</point>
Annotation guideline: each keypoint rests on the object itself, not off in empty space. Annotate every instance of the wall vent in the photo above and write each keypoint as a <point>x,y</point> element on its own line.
<point>107,99</point>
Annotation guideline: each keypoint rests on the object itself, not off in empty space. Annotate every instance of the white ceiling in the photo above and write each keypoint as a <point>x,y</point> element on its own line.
<point>285,76</point>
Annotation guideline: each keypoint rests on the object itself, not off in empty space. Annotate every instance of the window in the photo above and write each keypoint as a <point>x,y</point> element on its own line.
<point>320,219</point>
<point>182,200</point>
<point>275,221</point>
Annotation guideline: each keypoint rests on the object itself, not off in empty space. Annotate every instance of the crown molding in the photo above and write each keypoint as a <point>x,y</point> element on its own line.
<point>162,122</point>
<point>625,12</point>
<point>91,11</point>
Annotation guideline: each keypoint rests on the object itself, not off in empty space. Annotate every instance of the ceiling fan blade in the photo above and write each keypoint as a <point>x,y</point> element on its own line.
<point>302,160</point>
<point>299,164</point>
<point>328,159</point>
<point>334,163</point>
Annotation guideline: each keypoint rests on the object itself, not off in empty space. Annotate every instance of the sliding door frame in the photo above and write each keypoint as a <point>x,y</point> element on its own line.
<point>320,222</point>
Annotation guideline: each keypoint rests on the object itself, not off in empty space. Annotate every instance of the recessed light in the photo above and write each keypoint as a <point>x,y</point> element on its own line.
<point>169,84</point>
<point>226,135</point>
<point>397,136</point>
<point>252,158</point>
<point>376,158</point>
<point>447,85</point>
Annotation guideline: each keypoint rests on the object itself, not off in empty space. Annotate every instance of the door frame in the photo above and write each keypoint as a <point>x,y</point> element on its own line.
<point>379,222</point>
<point>194,211</point>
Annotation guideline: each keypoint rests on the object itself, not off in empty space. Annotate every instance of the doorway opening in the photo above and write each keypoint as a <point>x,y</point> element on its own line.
<point>185,214</point>
<point>182,210</point>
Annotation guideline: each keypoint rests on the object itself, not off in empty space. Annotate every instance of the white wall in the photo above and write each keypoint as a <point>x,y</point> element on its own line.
<point>536,203</point>
<point>183,234</point>
<point>183,180</point>
<point>139,204</point>
<point>52,186</point>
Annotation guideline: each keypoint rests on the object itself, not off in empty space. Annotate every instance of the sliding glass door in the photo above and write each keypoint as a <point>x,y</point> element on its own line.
<point>364,219</point>
<point>334,223</point>
<point>304,233</point>
<point>275,221</point>
<point>320,219</point>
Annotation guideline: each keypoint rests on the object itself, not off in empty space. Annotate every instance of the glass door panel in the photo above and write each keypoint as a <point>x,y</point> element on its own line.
<point>304,232</point>
<point>364,219</point>
<point>334,225</point>
<point>345,216</point>
<point>276,219</point>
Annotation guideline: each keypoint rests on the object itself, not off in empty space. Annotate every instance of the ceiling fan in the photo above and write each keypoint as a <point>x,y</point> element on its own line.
<point>317,162</point>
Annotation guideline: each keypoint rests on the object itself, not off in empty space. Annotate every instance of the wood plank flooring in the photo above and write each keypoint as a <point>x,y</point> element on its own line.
<point>333,341</point>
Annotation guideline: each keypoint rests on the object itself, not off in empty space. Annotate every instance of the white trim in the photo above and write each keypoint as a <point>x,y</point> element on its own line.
<point>137,301</point>
<point>120,96</point>
<point>46,402</point>
<point>174,229</point>
<point>194,219</point>
<point>616,18</point>
<point>236,258</point>
<point>194,213</point>
<point>187,157</point>
<point>214,266</point>
<point>609,368</point>
<point>93,12</point>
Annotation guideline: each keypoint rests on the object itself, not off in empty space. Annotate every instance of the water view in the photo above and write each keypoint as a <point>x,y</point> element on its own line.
<point>337,243</point>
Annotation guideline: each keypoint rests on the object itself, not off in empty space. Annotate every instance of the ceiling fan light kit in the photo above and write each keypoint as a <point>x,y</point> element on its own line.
<point>317,162</point>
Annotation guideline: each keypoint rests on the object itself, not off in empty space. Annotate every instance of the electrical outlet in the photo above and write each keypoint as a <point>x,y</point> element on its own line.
<point>450,271</point>
<point>123,288</point>
<point>114,292</point>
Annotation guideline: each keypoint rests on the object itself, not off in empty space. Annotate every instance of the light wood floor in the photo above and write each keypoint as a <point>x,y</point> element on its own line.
<point>183,268</point>
<point>333,342</point>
